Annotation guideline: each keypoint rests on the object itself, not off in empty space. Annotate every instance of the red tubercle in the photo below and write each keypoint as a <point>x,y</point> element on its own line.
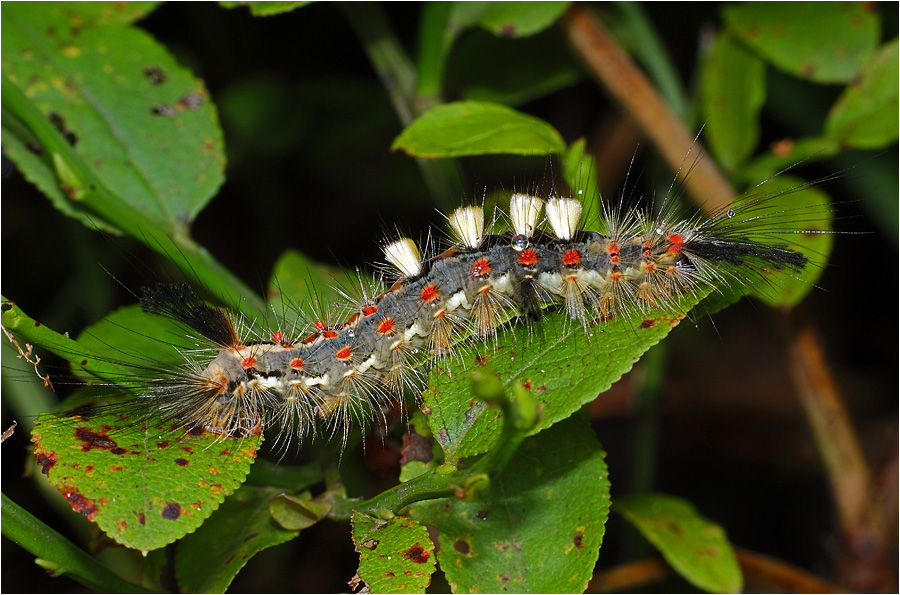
<point>296,364</point>
<point>386,326</point>
<point>429,293</point>
<point>613,249</point>
<point>344,353</point>
<point>330,334</point>
<point>486,289</point>
<point>277,337</point>
<point>248,362</point>
<point>369,310</point>
<point>528,258</point>
<point>320,326</point>
<point>615,276</point>
<point>677,243</point>
<point>647,249</point>
<point>481,267</point>
<point>571,258</point>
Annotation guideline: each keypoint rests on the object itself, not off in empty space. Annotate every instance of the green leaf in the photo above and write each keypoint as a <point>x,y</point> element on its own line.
<point>564,366</point>
<point>822,42</point>
<point>506,19</point>
<point>786,154</point>
<point>578,170</point>
<point>263,8</point>
<point>540,525</point>
<point>297,512</point>
<point>695,547</point>
<point>395,556</point>
<point>299,283</point>
<point>865,115</point>
<point>145,485</point>
<point>799,215</point>
<point>209,559</point>
<point>477,128</point>
<point>139,122</point>
<point>732,94</point>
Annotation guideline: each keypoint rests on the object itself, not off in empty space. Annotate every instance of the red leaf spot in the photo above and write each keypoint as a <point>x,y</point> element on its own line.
<point>172,511</point>
<point>647,324</point>
<point>94,440</point>
<point>417,554</point>
<point>162,444</point>
<point>578,539</point>
<point>181,462</point>
<point>46,461</point>
<point>84,506</point>
<point>142,519</point>
<point>462,546</point>
<point>481,360</point>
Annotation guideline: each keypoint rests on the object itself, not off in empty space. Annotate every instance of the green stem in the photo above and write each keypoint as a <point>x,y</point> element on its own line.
<point>398,75</point>
<point>87,191</point>
<point>57,554</point>
<point>434,46</point>
<point>467,483</point>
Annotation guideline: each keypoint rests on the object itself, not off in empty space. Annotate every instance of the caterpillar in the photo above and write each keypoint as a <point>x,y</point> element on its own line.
<point>534,259</point>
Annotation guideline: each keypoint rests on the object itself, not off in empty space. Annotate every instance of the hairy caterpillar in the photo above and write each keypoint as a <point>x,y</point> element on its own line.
<point>340,373</point>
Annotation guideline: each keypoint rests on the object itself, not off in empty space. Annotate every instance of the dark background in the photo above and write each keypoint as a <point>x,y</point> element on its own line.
<point>308,130</point>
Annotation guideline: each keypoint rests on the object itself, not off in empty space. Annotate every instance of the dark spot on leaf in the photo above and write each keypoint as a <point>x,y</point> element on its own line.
<point>196,431</point>
<point>481,359</point>
<point>578,540</point>
<point>155,75</point>
<point>188,449</point>
<point>415,448</point>
<point>142,519</point>
<point>191,101</point>
<point>162,444</point>
<point>370,544</point>
<point>230,559</point>
<point>251,536</point>
<point>417,554</point>
<point>34,147</point>
<point>389,574</point>
<point>171,511</point>
<point>84,362</point>
<point>508,30</point>
<point>481,515</point>
<point>504,578</point>
<point>80,504</point>
<point>60,124</point>
<point>118,451</point>
<point>647,323</point>
<point>46,461</point>
<point>181,462</point>
<point>94,440</point>
<point>163,109</point>
<point>462,546</point>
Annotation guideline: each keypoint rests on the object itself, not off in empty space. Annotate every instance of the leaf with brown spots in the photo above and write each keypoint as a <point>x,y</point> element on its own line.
<point>566,365</point>
<point>695,547</point>
<point>130,481</point>
<point>540,525</point>
<point>395,556</point>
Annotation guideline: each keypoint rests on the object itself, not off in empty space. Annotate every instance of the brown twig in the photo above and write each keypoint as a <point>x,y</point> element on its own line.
<point>629,87</point>
<point>861,520</point>
<point>758,570</point>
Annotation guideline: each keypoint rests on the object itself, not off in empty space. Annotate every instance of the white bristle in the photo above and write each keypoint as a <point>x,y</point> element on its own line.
<point>564,215</point>
<point>404,256</point>
<point>468,223</point>
<point>524,211</point>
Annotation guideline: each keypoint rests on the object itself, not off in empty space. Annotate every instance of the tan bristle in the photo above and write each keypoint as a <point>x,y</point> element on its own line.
<point>404,256</point>
<point>468,224</point>
<point>524,211</point>
<point>563,214</point>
